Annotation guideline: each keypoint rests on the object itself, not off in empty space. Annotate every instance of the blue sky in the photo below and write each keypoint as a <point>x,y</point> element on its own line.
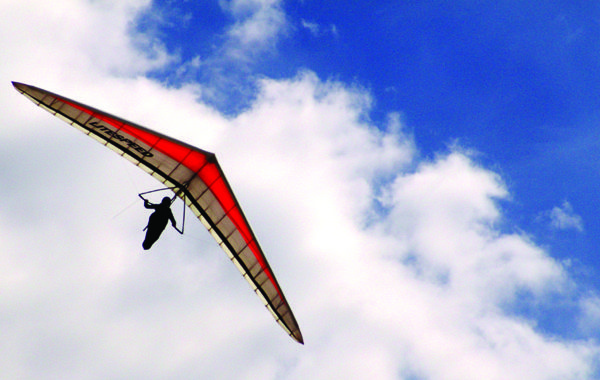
<point>423,178</point>
<point>515,81</point>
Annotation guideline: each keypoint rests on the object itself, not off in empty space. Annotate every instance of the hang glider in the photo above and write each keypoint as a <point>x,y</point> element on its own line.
<point>194,175</point>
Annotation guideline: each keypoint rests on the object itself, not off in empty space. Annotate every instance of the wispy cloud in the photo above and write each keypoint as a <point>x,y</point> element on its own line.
<point>317,30</point>
<point>564,218</point>
<point>227,72</point>
<point>311,26</point>
<point>258,26</point>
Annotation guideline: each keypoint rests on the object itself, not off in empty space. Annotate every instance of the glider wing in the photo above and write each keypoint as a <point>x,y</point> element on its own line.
<point>195,175</point>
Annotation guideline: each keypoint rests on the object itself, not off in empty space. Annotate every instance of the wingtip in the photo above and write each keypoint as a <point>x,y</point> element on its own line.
<point>17,85</point>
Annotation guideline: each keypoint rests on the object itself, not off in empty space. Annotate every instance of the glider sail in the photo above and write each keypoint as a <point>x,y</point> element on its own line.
<point>194,175</point>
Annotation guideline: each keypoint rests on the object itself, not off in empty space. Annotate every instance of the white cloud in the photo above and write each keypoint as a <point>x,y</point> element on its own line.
<point>316,30</point>
<point>72,37</point>
<point>229,70</point>
<point>394,267</point>
<point>590,316</point>
<point>312,27</point>
<point>258,26</point>
<point>564,218</point>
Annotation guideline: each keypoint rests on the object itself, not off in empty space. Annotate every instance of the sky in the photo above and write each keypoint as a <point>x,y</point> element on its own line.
<point>422,176</point>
